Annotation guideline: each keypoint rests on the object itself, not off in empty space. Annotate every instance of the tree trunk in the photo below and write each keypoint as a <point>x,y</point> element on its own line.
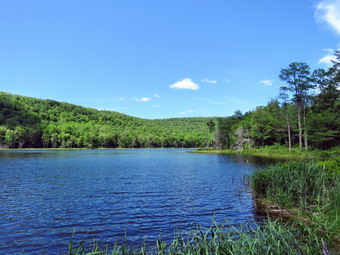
<point>305,128</point>
<point>289,135</point>
<point>299,124</point>
<point>286,116</point>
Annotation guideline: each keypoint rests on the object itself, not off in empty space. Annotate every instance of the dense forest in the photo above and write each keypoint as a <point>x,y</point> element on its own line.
<point>305,114</point>
<point>34,123</point>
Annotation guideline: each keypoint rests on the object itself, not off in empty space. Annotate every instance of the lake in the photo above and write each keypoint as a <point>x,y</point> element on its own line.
<point>48,196</point>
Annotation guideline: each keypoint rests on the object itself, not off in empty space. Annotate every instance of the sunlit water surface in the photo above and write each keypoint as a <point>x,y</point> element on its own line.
<point>48,196</point>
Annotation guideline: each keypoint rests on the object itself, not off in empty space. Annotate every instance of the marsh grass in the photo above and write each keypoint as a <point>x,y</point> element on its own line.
<point>273,237</point>
<point>310,188</point>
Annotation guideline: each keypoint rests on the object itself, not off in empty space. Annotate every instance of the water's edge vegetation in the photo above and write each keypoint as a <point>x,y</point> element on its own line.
<point>274,237</point>
<point>331,155</point>
<point>308,192</point>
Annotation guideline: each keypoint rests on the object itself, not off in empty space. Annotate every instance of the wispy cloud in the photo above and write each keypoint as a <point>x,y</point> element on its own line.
<point>186,112</point>
<point>266,82</point>
<point>143,99</point>
<point>327,59</point>
<point>186,83</point>
<point>156,95</point>
<point>329,11</point>
<point>206,80</point>
<point>227,80</point>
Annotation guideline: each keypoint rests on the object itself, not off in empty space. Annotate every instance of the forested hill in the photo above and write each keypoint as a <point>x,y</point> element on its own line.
<point>27,122</point>
<point>306,114</point>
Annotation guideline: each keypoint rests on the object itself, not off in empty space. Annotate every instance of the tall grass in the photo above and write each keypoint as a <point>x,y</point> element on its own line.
<point>273,237</point>
<point>308,187</point>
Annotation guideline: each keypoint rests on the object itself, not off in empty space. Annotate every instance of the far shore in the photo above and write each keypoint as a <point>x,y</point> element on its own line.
<point>295,154</point>
<point>101,148</point>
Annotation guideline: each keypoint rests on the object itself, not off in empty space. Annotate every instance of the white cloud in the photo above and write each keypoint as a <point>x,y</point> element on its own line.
<point>266,82</point>
<point>143,99</point>
<point>186,112</point>
<point>227,80</point>
<point>327,60</point>
<point>156,95</point>
<point>206,80</point>
<point>329,11</point>
<point>186,83</point>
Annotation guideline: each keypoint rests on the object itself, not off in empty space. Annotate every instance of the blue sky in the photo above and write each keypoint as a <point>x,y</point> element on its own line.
<point>161,58</point>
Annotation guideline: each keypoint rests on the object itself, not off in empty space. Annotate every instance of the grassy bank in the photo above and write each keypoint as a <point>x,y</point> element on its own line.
<point>309,192</point>
<point>279,153</point>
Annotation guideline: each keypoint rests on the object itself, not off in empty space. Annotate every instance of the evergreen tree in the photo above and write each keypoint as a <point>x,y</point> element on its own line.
<point>297,77</point>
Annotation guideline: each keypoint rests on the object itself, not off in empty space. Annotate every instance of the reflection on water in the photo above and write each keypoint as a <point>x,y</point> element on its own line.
<point>103,194</point>
<point>255,160</point>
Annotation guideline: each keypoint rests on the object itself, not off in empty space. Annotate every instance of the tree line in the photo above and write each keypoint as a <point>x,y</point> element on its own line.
<point>34,123</point>
<point>306,114</point>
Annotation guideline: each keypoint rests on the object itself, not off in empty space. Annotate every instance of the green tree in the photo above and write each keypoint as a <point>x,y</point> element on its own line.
<point>211,126</point>
<point>20,135</point>
<point>324,117</point>
<point>286,113</point>
<point>297,77</point>
<point>10,138</point>
<point>3,131</point>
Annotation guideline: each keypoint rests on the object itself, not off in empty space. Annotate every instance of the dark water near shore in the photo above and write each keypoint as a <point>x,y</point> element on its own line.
<point>46,196</point>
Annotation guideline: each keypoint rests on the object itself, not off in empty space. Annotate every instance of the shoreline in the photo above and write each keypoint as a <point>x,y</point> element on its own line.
<point>50,149</point>
<point>278,154</point>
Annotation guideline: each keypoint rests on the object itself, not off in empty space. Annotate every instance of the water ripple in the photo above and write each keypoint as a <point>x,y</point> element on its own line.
<point>47,196</point>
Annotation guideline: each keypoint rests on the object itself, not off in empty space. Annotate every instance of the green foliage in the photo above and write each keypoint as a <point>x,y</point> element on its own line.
<point>304,183</point>
<point>273,237</point>
<point>323,120</point>
<point>331,166</point>
<point>28,122</point>
<point>307,186</point>
<point>324,128</point>
<point>225,131</point>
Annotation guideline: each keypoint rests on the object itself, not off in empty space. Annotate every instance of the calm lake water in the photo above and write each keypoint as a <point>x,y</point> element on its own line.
<point>46,196</point>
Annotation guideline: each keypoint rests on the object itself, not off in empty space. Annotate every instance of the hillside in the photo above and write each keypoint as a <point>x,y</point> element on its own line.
<point>27,122</point>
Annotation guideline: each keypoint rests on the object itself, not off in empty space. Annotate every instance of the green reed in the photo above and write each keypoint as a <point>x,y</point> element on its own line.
<point>273,237</point>
<point>309,188</point>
